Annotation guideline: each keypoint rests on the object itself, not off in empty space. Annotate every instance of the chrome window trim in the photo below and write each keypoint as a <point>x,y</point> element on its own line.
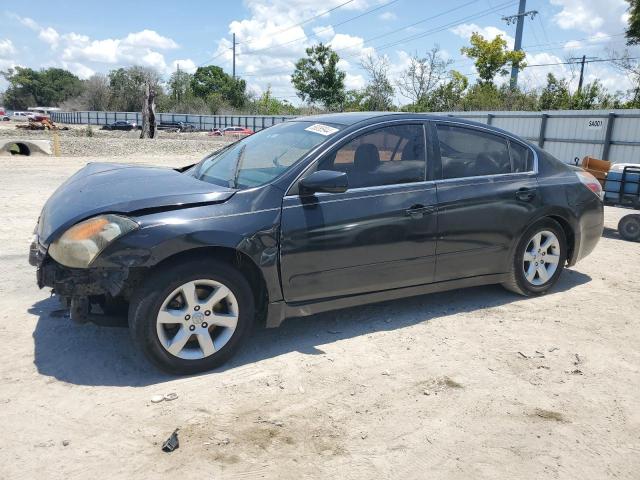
<point>350,136</point>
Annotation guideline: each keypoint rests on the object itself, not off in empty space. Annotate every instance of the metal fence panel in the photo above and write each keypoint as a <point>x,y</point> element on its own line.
<point>612,135</point>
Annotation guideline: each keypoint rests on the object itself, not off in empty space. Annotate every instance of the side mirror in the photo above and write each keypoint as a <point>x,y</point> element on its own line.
<point>328,181</point>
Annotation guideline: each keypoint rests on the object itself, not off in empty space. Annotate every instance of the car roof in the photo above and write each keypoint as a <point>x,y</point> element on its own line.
<point>352,118</point>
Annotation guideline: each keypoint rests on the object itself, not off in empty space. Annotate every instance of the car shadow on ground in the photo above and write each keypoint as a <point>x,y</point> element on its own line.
<point>611,233</point>
<point>93,355</point>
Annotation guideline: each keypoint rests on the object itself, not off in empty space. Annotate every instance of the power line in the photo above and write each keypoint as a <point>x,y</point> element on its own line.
<point>280,31</point>
<point>458,22</point>
<point>324,29</point>
<point>321,14</point>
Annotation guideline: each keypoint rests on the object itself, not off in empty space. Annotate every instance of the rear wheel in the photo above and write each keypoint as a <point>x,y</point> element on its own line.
<point>192,317</point>
<point>629,227</point>
<point>538,259</point>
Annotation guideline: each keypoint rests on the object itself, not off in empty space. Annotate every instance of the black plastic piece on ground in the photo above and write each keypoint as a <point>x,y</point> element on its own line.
<point>171,443</point>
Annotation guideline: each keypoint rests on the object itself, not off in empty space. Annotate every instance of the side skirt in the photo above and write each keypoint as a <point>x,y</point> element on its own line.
<point>279,311</point>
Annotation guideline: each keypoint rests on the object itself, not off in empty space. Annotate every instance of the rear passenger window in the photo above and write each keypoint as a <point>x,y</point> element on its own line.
<point>466,152</point>
<point>387,156</point>
<point>521,157</point>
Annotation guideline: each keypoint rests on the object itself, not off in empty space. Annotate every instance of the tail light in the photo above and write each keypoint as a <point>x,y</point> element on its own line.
<point>591,183</point>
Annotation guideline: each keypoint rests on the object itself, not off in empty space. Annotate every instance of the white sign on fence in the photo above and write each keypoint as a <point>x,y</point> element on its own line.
<point>595,123</point>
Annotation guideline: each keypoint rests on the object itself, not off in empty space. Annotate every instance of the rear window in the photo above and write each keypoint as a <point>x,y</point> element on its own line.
<point>521,157</point>
<point>467,152</point>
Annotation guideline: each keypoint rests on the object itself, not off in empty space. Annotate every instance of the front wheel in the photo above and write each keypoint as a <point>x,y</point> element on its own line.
<point>629,227</point>
<point>538,259</point>
<point>191,317</point>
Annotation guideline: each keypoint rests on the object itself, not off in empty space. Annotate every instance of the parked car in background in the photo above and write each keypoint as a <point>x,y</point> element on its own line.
<point>177,127</point>
<point>239,131</point>
<point>21,116</point>
<point>120,125</point>
<point>310,215</point>
<point>3,115</point>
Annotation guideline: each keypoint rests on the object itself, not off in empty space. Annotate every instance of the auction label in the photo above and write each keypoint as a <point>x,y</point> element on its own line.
<point>325,130</point>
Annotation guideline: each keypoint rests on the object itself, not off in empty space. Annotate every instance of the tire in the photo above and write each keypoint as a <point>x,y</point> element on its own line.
<point>629,227</point>
<point>521,281</point>
<point>154,337</point>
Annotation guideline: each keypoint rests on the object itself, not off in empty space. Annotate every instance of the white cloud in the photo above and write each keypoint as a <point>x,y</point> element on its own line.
<point>79,69</point>
<point>136,48</point>
<point>467,29</point>
<point>186,65</point>
<point>6,48</point>
<point>275,35</point>
<point>149,39</point>
<point>573,45</point>
<point>590,15</point>
<point>388,16</point>
<point>324,33</point>
<point>50,36</point>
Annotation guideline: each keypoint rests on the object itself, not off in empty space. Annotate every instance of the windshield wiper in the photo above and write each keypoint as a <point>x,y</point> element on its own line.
<point>236,173</point>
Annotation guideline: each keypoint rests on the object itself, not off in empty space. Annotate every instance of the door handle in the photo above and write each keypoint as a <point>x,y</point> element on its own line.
<point>526,194</point>
<point>419,211</point>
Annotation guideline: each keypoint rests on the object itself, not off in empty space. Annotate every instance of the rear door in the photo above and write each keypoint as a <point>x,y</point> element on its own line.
<point>379,234</point>
<point>487,194</point>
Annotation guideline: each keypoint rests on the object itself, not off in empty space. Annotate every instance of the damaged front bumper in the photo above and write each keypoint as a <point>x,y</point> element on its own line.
<point>81,282</point>
<point>76,287</point>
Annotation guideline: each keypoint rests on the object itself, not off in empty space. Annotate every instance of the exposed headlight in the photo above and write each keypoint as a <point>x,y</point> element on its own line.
<point>78,246</point>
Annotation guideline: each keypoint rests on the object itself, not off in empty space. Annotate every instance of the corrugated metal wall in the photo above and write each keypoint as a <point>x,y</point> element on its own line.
<point>610,134</point>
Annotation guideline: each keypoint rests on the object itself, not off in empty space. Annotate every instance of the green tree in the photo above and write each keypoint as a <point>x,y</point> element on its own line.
<point>317,77</point>
<point>30,88</point>
<point>423,75</point>
<point>445,97</point>
<point>128,86</point>
<point>217,87</point>
<point>378,94</point>
<point>267,104</point>
<point>354,101</point>
<point>555,95</point>
<point>633,30</point>
<point>492,57</point>
<point>593,95</point>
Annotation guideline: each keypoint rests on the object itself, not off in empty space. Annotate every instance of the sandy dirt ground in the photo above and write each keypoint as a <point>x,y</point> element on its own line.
<point>475,383</point>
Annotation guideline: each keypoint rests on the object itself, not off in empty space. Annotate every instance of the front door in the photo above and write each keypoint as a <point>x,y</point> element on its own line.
<point>486,198</point>
<point>380,234</point>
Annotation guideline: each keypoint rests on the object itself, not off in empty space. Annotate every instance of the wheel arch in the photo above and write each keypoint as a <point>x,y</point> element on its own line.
<point>238,259</point>
<point>570,236</point>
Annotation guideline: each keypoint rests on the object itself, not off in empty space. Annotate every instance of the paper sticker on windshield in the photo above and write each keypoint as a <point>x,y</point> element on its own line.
<point>321,129</point>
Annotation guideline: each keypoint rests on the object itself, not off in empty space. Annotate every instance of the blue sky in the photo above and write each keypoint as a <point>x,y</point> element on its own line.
<point>94,37</point>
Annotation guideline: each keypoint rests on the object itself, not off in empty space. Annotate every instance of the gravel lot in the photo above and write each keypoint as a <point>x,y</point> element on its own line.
<point>75,142</point>
<point>474,383</point>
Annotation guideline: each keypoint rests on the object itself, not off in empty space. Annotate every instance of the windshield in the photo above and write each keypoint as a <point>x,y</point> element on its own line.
<point>259,158</point>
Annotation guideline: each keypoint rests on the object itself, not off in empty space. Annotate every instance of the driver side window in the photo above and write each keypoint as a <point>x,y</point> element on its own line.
<point>386,156</point>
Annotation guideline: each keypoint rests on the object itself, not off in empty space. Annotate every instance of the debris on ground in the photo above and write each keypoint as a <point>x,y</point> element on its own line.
<point>172,443</point>
<point>164,398</point>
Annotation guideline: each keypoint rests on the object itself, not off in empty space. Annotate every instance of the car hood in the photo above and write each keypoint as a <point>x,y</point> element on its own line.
<point>121,188</point>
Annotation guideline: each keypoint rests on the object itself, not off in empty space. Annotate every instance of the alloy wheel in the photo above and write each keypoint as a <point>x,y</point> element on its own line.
<point>197,319</point>
<point>541,257</point>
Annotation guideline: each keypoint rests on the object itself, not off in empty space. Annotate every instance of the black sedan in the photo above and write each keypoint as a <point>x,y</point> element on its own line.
<point>120,125</point>
<point>314,214</point>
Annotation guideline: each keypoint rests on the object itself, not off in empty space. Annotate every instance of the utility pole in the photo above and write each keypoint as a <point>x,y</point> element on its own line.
<point>582,61</point>
<point>177,85</point>
<point>234,56</point>
<point>518,19</point>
